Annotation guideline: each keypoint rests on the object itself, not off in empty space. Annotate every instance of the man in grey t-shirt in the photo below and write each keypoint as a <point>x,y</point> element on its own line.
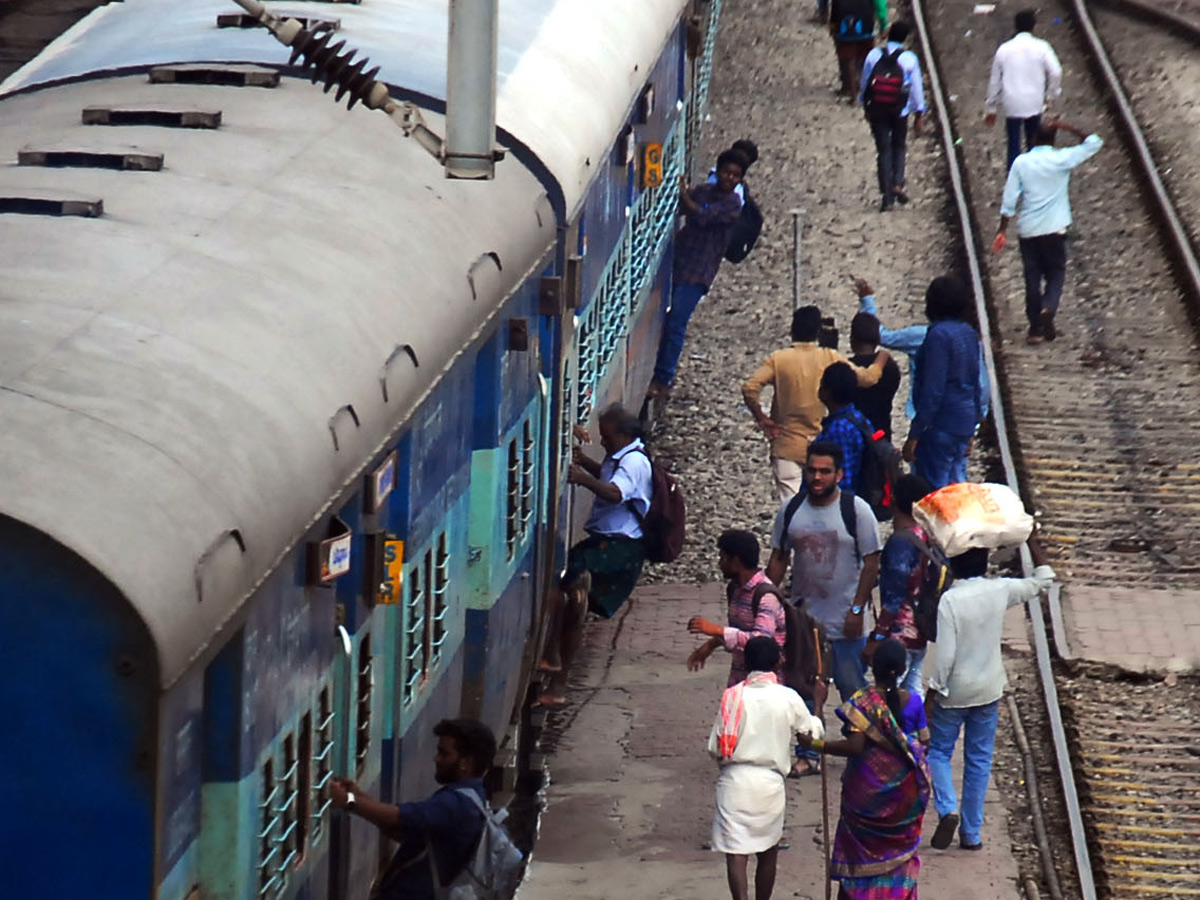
<point>834,571</point>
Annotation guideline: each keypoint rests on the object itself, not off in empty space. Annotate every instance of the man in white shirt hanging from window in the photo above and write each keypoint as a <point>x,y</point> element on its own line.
<point>1038,183</point>
<point>966,685</point>
<point>1026,76</point>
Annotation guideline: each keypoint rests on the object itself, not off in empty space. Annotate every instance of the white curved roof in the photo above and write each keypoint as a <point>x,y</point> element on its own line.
<point>169,371</point>
<point>568,69</point>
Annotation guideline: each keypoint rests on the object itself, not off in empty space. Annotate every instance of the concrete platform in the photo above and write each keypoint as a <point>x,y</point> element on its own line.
<point>629,806</point>
<point>1139,630</point>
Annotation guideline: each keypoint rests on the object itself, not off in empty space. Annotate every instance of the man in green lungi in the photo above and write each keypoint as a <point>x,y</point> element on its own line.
<point>604,567</point>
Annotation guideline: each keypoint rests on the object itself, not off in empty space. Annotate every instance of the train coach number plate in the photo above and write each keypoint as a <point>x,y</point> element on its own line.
<point>652,165</point>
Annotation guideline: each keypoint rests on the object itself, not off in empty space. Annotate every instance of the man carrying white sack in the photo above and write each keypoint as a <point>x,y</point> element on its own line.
<point>968,678</point>
<point>752,739</point>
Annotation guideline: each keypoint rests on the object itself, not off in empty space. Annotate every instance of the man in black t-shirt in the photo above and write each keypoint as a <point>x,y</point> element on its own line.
<point>874,402</point>
<point>442,830</point>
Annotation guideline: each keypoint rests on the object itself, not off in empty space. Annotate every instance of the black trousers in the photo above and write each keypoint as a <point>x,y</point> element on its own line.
<point>891,148</point>
<point>1045,260</point>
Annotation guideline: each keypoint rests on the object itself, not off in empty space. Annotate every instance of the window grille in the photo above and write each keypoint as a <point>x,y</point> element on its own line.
<point>362,722</point>
<point>268,849</point>
<point>441,594</point>
<point>288,809</point>
<point>566,422</point>
<point>528,460</point>
<point>322,762</point>
<point>414,635</point>
<point>513,500</point>
<point>586,346</point>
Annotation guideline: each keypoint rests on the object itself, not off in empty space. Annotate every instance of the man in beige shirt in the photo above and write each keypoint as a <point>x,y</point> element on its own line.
<point>796,412</point>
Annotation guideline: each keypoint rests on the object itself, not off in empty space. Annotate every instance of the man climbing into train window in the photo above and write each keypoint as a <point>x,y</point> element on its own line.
<point>603,568</point>
<point>711,210</point>
<point>442,830</point>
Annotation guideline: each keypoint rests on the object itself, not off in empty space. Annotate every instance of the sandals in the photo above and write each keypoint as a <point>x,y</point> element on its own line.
<point>802,768</point>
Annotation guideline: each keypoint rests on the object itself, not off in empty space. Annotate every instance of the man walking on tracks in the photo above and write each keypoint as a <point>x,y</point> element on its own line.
<point>832,541</point>
<point>853,24</point>
<point>794,374</point>
<point>1026,75</point>
<point>966,684</point>
<point>1039,184</point>
<point>712,211</point>
<point>890,91</point>
<point>603,568</point>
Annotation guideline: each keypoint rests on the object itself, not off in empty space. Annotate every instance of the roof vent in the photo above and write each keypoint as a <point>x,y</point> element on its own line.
<point>310,23</point>
<point>33,204</point>
<point>231,76</point>
<point>129,161</point>
<point>165,118</point>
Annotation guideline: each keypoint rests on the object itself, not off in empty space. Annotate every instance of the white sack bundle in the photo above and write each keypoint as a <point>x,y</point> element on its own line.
<point>961,517</point>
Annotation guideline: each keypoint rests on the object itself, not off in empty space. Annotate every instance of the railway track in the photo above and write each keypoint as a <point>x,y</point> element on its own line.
<point>1104,446</point>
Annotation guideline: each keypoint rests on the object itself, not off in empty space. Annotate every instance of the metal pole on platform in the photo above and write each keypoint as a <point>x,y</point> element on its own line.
<point>797,230</point>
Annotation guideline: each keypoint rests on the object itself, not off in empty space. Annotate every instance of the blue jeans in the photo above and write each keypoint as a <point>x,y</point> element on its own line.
<point>1014,127</point>
<point>978,724</point>
<point>912,679</point>
<point>941,458</point>
<point>684,300</point>
<point>849,673</point>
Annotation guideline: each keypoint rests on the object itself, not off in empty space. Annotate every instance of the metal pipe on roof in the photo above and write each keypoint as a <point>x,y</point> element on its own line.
<point>471,89</point>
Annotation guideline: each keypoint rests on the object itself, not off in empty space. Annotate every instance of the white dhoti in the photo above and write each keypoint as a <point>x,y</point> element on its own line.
<point>750,804</point>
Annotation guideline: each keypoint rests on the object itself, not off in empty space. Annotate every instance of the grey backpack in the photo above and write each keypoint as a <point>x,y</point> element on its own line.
<point>494,867</point>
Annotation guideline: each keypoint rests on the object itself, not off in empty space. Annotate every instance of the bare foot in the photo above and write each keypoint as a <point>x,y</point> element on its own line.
<point>551,700</point>
<point>547,666</point>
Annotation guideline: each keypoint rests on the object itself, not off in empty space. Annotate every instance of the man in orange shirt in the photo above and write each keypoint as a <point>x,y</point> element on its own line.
<point>796,411</point>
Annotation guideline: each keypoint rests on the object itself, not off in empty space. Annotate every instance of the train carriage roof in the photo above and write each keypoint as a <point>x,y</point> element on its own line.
<point>569,70</point>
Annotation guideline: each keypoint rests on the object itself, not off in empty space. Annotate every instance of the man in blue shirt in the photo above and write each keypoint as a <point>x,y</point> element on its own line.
<point>949,403</point>
<point>441,831</point>
<point>890,129</point>
<point>844,426</point>
<point>1038,182</point>
<point>603,568</point>
<point>908,340</point>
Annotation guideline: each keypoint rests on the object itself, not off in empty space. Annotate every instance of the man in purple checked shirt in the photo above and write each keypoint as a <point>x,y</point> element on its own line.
<point>712,210</point>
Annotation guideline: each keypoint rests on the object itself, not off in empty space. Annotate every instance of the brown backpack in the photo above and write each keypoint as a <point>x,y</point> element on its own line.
<point>807,652</point>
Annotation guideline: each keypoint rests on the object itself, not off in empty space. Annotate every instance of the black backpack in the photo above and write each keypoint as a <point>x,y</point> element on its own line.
<point>935,581</point>
<point>746,230</point>
<point>881,465</point>
<point>852,19</point>
<point>665,524</point>
<point>804,646</point>
<point>846,506</point>
<point>886,93</point>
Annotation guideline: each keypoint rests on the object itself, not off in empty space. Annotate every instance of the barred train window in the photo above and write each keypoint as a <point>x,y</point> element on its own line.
<point>527,470</point>
<point>268,879</point>
<point>512,516</point>
<point>289,807</point>
<point>415,662</point>
<point>362,726</point>
<point>441,591</point>
<point>322,761</point>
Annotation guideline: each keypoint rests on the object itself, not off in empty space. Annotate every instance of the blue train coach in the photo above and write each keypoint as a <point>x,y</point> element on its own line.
<point>285,416</point>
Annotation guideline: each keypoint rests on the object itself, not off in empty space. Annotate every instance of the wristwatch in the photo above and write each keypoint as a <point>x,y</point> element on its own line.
<point>349,801</point>
<point>856,609</point>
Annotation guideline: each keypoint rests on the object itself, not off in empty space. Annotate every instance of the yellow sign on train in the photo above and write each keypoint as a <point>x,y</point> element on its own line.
<point>652,165</point>
<point>392,587</point>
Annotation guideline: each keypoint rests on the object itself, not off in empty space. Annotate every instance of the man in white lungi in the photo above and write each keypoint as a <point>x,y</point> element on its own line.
<point>752,739</point>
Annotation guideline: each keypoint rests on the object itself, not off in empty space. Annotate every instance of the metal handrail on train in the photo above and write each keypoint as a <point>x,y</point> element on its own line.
<point>1062,753</point>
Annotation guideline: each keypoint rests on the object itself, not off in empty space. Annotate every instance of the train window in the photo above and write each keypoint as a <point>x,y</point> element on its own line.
<point>304,784</point>
<point>513,506</point>
<point>566,421</point>
<point>528,457</point>
<point>268,849</point>
<point>289,807</point>
<point>362,722</point>
<point>441,592</point>
<point>322,761</point>
<point>414,634</point>
<point>430,608</point>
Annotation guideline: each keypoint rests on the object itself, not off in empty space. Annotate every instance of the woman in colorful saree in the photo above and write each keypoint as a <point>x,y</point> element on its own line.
<point>885,787</point>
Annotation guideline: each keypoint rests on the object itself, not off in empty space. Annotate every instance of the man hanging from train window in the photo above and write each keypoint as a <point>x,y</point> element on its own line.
<point>446,827</point>
<point>603,568</point>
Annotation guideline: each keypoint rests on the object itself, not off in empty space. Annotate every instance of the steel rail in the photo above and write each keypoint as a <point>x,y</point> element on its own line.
<point>1154,14</point>
<point>1185,255</point>
<point>1083,863</point>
